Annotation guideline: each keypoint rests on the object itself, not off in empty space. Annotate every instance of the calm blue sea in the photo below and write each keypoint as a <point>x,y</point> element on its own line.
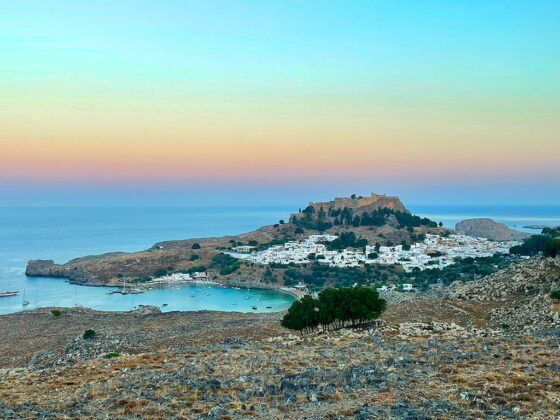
<point>62,233</point>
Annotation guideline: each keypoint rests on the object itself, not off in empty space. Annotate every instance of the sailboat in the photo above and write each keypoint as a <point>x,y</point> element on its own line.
<point>24,302</point>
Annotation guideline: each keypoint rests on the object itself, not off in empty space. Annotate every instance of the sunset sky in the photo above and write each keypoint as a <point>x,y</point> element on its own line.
<point>115,102</point>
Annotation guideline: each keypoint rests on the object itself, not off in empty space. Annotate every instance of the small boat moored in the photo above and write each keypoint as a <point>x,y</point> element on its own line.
<point>8,293</point>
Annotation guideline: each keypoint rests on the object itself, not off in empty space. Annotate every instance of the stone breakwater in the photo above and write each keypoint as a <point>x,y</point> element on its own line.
<point>408,371</point>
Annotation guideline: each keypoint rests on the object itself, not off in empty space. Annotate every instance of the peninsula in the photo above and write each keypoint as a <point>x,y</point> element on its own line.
<point>377,219</point>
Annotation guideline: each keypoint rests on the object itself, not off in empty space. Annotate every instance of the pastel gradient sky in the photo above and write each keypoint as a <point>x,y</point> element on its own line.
<point>183,101</point>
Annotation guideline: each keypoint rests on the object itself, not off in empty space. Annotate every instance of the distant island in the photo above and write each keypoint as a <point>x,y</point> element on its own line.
<point>488,228</point>
<point>539,227</point>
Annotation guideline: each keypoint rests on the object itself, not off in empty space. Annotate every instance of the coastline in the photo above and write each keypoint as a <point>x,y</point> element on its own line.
<point>169,297</point>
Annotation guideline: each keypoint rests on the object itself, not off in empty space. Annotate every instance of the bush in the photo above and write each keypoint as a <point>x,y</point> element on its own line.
<point>89,334</point>
<point>555,294</point>
<point>196,245</point>
<point>111,355</point>
<point>56,312</point>
<point>194,257</point>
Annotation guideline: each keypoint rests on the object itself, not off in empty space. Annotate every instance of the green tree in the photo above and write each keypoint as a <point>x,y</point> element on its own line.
<point>303,315</point>
<point>196,245</point>
<point>334,308</point>
<point>551,248</point>
<point>160,272</point>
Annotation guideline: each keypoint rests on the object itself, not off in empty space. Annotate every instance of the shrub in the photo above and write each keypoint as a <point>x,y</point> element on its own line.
<point>111,355</point>
<point>196,245</point>
<point>194,257</point>
<point>89,334</point>
<point>56,312</point>
<point>555,294</point>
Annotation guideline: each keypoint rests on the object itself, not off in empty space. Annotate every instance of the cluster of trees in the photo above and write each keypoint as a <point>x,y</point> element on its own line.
<point>466,269</point>
<point>346,217</point>
<point>268,276</point>
<point>378,217</point>
<point>536,244</point>
<point>334,308</point>
<point>225,263</point>
<point>307,220</point>
<point>318,275</point>
<point>346,240</point>
<point>163,271</point>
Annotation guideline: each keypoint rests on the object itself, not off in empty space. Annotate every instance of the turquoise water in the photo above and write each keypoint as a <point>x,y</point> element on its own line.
<point>65,233</point>
<point>62,233</point>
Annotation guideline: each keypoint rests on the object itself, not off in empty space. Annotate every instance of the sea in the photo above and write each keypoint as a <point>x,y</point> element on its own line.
<point>62,233</point>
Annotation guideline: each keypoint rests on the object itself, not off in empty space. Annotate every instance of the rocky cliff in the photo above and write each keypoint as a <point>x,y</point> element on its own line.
<point>488,228</point>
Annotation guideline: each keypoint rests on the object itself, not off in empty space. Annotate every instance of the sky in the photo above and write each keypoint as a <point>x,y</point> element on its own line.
<point>275,102</point>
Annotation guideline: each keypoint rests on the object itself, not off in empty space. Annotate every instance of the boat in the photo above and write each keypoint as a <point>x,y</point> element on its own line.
<point>164,304</point>
<point>193,295</point>
<point>8,294</point>
<point>246,297</point>
<point>269,307</point>
<point>24,302</point>
<point>254,307</point>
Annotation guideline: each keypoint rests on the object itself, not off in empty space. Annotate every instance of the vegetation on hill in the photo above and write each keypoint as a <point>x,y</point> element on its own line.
<point>322,220</point>
<point>334,308</point>
<point>226,264</point>
<point>465,269</point>
<point>317,275</point>
<point>346,240</point>
<point>535,244</point>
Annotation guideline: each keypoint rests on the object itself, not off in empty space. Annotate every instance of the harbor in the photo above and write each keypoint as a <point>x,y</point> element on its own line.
<point>50,292</point>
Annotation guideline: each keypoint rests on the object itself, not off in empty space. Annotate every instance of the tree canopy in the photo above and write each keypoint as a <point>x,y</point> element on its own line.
<point>334,308</point>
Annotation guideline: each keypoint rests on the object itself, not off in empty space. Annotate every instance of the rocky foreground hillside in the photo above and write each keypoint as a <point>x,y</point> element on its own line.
<point>461,353</point>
